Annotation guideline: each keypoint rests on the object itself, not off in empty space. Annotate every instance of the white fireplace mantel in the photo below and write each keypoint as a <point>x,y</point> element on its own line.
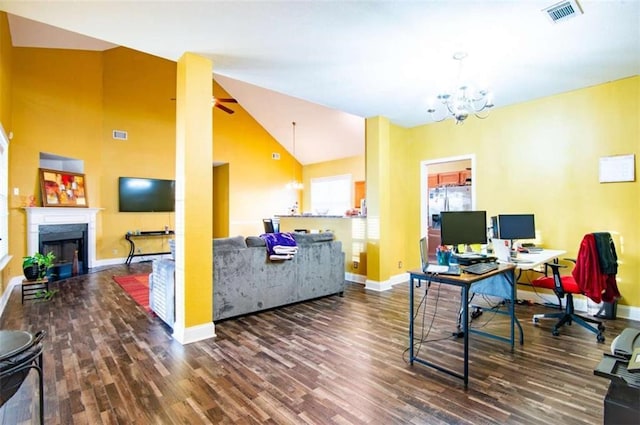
<point>44,216</point>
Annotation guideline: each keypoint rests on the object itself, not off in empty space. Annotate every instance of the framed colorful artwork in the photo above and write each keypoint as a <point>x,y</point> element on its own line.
<point>62,189</point>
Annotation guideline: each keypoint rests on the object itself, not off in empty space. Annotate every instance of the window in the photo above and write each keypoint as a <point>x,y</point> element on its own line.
<point>4,198</point>
<point>331,195</point>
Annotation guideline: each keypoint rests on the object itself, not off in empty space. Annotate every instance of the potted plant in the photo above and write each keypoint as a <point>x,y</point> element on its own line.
<point>35,266</point>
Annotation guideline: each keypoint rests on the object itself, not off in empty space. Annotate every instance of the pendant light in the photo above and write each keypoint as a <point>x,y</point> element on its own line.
<point>294,184</point>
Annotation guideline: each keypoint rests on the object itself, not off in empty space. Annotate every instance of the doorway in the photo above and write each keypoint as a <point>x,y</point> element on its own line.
<point>220,214</point>
<point>446,184</point>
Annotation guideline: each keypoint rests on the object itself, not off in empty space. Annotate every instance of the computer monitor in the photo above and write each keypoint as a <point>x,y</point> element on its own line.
<point>463,227</point>
<point>514,226</point>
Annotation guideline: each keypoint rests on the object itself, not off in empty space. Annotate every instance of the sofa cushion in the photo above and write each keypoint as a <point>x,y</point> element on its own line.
<point>308,238</point>
<point>223,244</point>
<point>253,241</point>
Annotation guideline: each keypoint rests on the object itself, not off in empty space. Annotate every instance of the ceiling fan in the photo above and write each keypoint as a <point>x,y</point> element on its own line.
<point>218,103</point>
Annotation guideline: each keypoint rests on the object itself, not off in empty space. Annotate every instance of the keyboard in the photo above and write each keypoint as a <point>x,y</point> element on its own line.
<point>520,260</point>
<point>481,268</point>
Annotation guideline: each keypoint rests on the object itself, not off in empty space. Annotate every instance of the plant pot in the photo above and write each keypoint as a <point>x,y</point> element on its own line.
<point>31,272</point>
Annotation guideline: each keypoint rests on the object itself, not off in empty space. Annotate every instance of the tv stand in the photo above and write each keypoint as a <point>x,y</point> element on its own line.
<point>148,234</point>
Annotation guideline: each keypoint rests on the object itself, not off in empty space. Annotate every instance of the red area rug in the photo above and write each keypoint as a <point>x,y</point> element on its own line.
<point>137,286</point>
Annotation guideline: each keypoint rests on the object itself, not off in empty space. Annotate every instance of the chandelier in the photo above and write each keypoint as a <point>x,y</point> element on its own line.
<point>464,100</point>
<point>294,184</point>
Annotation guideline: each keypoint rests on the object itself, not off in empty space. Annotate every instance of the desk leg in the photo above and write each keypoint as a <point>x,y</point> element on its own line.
<point>40,369</point>
<point>512,311</point>
<point>132,250</point>
<point>411,283</point>
<point>512,315</point>
<point>465,328</point>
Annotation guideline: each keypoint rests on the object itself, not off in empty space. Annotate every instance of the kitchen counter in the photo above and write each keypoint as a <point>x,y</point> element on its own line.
<point>351,231</point>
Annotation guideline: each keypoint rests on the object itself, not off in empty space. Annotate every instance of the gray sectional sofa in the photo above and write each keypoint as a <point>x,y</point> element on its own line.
<point>245,280</point>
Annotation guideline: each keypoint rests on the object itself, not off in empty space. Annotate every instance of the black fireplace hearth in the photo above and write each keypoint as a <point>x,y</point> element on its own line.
<point>65,240</point>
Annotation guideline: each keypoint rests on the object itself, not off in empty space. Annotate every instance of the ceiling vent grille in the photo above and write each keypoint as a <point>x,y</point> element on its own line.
<point>562,11</point>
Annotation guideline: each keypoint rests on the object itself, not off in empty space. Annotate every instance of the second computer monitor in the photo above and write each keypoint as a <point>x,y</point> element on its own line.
<point>463,227</point>
<point>514,226</point>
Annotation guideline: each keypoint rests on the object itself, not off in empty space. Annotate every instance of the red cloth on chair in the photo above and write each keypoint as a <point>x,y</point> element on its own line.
<point>591,281</point>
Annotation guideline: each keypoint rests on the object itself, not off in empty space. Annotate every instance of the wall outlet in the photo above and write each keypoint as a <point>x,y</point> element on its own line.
<point>139,250</point>
<point>115,251</point>
<point>355,264</point>
<point>399,264</point>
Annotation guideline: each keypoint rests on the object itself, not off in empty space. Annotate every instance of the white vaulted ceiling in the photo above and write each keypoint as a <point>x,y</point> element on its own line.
<point>329,64</point>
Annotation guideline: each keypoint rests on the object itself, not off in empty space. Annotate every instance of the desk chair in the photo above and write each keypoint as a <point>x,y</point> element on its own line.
<point>593,275</point>
<point>270,225</point>
<point>14,370</point>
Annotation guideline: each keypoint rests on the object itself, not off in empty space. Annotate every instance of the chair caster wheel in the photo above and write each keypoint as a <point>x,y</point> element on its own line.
<point>477,313</point>
<point>555,332</point>
<point>536,320</point>
<point>600,337</point>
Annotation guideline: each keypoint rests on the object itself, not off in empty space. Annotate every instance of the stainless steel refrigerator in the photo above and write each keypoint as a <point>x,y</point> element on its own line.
<point>444,198</point>
<point>447,198</point>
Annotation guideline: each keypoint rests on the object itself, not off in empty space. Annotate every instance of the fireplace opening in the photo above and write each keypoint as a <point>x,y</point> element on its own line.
<point>64,240</point>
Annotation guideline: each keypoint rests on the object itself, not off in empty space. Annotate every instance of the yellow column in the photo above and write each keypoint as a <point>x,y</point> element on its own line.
<point>378,160</point>
<point>194,187</point>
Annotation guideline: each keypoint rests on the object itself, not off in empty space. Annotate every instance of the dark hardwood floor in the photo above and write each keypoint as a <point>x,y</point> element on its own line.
<point>329,361</point>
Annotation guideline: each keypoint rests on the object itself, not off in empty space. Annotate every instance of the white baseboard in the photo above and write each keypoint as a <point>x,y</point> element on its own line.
<point>194,333</point>
<point>14,281</point>
<point>357,278</point>
<point>374,285</point>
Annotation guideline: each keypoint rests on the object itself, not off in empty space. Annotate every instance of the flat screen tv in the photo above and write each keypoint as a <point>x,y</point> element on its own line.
<point>136,194</point>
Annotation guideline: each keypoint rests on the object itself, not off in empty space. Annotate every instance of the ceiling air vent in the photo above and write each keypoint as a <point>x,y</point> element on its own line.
<point>562,11</point>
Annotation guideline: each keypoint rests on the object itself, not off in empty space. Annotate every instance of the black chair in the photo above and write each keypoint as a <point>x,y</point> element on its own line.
<point>271,225</point>
<point>15,369</point>
<point>268,225</point>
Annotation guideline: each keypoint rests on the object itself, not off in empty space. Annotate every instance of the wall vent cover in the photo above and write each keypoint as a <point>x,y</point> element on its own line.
<point>562,11</point>
<point>119,134</point>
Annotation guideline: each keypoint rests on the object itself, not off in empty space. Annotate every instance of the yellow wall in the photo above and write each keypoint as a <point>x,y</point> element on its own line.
<point>56,108</point>
<point>5,71</point>
<point>542,157</point>
<point>194,196</point>
<point>256,182</point>
<point>5,105</point>
<point>139,94</point>
<point>401,187</point>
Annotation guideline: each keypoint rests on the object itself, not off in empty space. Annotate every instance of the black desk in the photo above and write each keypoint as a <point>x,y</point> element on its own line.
<point>149,234</point>
<point>464,281</point>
